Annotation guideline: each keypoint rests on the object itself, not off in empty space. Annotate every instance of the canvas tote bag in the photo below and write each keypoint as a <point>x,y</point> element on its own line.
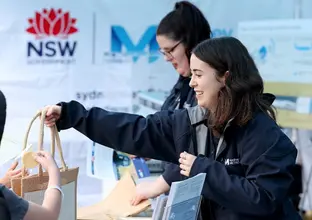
<point>32,188</point>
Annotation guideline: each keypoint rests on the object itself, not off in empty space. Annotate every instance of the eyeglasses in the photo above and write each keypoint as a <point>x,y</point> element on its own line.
<point>168,53</point>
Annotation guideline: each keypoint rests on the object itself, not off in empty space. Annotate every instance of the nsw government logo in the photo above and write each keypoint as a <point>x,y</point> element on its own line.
<point>51,29</point>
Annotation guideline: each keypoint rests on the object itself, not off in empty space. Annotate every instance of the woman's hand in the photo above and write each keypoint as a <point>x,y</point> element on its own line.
<point>144,191</point>
<point>149,189</point>
<point>46,160</point>
<point>12,173</point>
<point>186,162</point>
<point>53,114</point>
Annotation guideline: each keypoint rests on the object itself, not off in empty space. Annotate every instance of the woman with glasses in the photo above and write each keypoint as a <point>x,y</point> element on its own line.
<point>177,34</point>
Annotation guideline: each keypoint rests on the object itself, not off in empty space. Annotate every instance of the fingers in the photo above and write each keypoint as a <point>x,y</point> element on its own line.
<point>132,156</point>
<point>15,172</point>
<point>13,165</point>
<point>136,200</point>
<point>181,160</point>
<point>44,109</point>
<point>40,156</point>
<point>185,173</point>
<point>52,114</point>
<point>132,201</point>
<point>185,170</point>
<point>185,159</point>
<point>185,163</point>
<point>184,167</point>
<point>50,121</point>
<point>185,155</point>
<point>42,153</point>
<point>26,173</point>
<point>50,111</point>
<point>46,154</point>
<point>19,174</point>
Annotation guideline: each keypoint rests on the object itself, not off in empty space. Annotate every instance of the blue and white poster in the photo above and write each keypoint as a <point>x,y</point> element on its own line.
<point>282,50</point>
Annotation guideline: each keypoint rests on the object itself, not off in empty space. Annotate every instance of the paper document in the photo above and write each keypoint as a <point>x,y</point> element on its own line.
<point>141,167</point>
<point>184,199</point>
<point>116,204</point>
<point>100,162</point>
<point>187,189</point>
<point>159,207</point>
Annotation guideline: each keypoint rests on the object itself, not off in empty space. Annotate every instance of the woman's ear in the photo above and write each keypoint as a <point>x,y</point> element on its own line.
<point>225,76</point>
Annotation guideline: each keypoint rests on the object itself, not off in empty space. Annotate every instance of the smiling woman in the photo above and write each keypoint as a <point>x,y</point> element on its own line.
<point>231,136</point>
<point>227,89</point>
<point>205,83</point>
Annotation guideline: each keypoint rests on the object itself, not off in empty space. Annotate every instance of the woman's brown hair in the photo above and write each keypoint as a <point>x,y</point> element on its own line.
<point>242,94</point>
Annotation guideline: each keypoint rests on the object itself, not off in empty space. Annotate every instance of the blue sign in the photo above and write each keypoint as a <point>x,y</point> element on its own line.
<point>222,32</point>
<point>146,46</point>
<point>121,42</point>
<point>303,47</point>
<point>261,53</point>
<point>51,48</point>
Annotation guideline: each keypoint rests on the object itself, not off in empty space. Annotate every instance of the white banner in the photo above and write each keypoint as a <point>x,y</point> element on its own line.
<point>283,52</point>
<point>107,86</point>
<point>84,50</point>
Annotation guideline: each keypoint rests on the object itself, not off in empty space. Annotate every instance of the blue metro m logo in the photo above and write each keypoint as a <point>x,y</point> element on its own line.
<point>146,46</point>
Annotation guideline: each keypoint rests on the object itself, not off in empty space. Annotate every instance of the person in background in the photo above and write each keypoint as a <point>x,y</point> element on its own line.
<point>177,34</point>
<point>231,135</point>
<point>13,207</point>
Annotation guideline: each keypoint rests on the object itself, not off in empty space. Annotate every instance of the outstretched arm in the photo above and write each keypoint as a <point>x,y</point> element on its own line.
<point>151,137</point>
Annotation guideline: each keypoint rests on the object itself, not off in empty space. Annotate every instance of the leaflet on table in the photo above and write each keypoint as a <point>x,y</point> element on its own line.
<point>159,207</point>
<point>184,199</point>
<point>100,162</point>
<point>103,163</point>
<point>187,189</point>
<point>141,167</point>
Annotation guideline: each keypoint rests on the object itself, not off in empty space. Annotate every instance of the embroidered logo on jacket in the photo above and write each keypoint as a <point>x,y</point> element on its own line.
<point>233,161</point>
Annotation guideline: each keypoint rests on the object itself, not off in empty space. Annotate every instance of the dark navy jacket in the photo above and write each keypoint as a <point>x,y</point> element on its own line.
<point>249,177</point>
<point>181,96</point>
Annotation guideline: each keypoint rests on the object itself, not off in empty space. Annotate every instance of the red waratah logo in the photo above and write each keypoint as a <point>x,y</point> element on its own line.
<point>52,22</point>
